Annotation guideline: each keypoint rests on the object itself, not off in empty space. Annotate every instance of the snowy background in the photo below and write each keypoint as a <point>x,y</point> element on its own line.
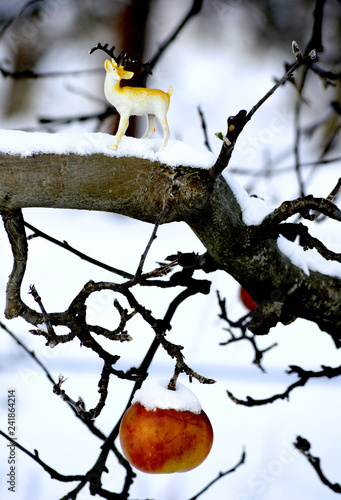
<point>233,79</point>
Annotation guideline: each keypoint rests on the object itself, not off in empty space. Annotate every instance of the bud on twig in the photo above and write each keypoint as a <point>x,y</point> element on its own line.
<point>296,51</point>
<point>312,54</point>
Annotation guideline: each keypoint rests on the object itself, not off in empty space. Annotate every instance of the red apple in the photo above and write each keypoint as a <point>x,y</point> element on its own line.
<point>163,440</point>
<point>247,299</point>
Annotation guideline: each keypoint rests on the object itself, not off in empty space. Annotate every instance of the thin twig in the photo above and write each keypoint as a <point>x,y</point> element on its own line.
<point>28,351</point>
<point>330,197</point>
<point>79,406</point>
<point>16,16</point>
<point>35,456</point>
<point>314,44</point>
<point>236,124</point>
<point>291,231</point>
<point>315,462</point>
<point>220,475</point>
<point>281,170</point>
<point>89,424</point>
<point>304,377</point>
<point>160,327</point>
<point>194,10</point>
<point>287,76</point>
<point>242,325</point>
<point>72,495</point>
<point>109,111</point>
<point>204,128</point>
<point>21,75</point>
<point>64,244</point>
<point>298,131</point>
<point>292,207</point>
<point>37,298</point>
<point>150,242</point>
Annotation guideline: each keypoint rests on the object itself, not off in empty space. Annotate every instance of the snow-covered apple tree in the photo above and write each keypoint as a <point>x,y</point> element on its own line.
<point>268,239</point>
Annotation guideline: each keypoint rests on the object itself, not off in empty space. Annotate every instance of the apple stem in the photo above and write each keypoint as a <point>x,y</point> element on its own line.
<point>172,383</point>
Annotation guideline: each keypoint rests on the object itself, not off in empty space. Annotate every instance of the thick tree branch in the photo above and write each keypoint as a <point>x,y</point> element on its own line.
<point>138,188</point>
<point>14,225</point>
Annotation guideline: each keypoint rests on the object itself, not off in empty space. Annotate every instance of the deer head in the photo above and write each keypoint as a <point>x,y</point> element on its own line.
<point>116,71</point>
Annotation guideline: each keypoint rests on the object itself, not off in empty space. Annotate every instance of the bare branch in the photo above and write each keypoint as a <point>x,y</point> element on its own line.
<point>204,128</point>
<point>29,74</point>
<point>315,42</point>
<point>210,209</point>
<point>301,206</point>
<point>160,327</point>
<point>74,317</point>
<point>35,456</point>
<point>235,124</point>
<point>290,231</point>
<point>194,10</point>
<point>150,242</point>
<point>221,475</point>
<point>64,244</point>
<point>79,406</point>
<point>304,377</point>
<point>103,383</point>
<point>32,354</point>
<point>242,325</point>
<point>273,223</point>
<point>16,16</point>
<point>330,197</point>
<point>322,162</point>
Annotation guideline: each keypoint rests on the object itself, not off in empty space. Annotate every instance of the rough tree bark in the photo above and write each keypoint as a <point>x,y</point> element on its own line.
<point>141,188</point>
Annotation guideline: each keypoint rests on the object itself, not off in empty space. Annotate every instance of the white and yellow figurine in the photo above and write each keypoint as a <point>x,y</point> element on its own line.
<point>137,101</point>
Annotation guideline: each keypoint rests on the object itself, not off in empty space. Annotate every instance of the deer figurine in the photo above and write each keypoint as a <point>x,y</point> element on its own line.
<point>137,101</point>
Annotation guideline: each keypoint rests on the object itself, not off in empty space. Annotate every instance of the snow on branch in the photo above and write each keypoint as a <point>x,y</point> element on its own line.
<point>28,144</point>
<point>229,223</point>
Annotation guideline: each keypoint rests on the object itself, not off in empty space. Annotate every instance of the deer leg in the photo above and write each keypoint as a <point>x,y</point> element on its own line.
<point>150,126</point>
<point>165,127</point>
<point>122,127</point>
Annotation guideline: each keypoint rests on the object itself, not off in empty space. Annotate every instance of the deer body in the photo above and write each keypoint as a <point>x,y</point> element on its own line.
<point>135,101</point>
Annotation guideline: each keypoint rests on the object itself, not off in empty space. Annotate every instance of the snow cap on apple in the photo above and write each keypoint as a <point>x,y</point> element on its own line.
<point>165,430</point>
<point>155,394</point>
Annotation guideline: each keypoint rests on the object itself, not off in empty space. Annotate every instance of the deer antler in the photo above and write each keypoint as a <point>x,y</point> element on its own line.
<point>105,49</point>
<point>122,59</point>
